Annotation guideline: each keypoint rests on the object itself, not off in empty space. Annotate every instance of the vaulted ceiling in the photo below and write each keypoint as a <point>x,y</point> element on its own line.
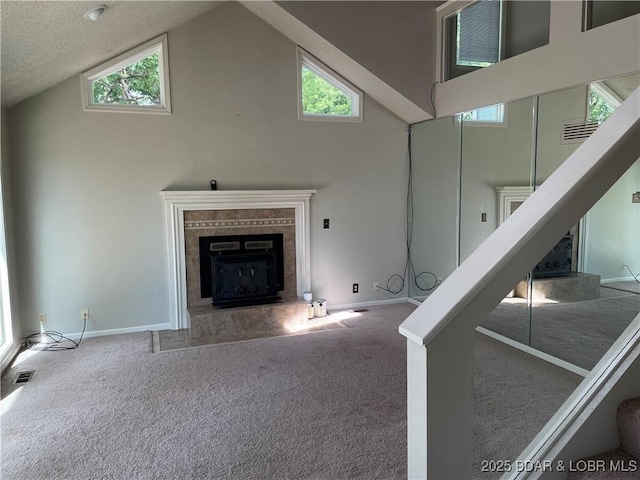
<point>46,42</point>
<point>389,54</point>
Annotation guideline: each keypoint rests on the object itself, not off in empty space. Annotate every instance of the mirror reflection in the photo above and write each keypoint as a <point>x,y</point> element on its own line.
<point>471,171</point>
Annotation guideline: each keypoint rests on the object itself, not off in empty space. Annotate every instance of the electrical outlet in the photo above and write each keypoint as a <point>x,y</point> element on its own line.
<point>84,314</point>
<point>43,318</point>
<point>376,286</point>
<point>635,197</point>
<point>355,288</point>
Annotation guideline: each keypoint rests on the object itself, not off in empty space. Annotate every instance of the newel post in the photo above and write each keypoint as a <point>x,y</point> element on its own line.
<point>440,405</point>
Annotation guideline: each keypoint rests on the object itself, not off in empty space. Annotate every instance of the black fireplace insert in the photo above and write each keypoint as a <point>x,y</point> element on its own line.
<point>557,262</point>
<point>237,270</point>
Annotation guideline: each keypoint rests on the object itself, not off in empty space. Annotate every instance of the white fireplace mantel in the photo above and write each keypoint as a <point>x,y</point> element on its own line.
<point>177,202</point>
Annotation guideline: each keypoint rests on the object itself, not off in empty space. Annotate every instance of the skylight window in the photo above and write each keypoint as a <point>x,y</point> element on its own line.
<point>325,95</point>
<point>136,81</point>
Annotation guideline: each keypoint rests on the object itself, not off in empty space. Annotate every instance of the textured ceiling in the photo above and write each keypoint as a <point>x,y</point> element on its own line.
<point>44,43</point>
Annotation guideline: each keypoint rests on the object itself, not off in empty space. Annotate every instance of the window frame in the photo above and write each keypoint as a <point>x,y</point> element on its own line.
<point>605,93</point>
<point>449,68</point>
<point>157,46</point>
<point>305,59</point>
<point>457,119</point>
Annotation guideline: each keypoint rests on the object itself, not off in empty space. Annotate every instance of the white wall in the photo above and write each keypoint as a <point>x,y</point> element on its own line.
<point>612,234</point>
<point>89,218</point>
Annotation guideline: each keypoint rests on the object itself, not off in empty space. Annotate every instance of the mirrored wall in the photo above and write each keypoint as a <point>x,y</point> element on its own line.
<point>471,171</point>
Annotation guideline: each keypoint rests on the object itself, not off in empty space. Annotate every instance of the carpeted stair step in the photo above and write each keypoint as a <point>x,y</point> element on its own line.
<point>620,464</point>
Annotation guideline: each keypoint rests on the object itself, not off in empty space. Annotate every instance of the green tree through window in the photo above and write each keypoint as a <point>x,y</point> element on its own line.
<point>136,84</point>
<point>319,97</point>
<point>599,108</point>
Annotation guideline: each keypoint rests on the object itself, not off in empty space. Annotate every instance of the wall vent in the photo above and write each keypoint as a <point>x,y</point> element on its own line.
<point>577,131</point>
<point>23,377</point>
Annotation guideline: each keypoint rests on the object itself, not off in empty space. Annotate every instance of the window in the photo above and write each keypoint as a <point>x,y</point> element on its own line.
<point>486,116</point>
<point>136,81</point>
<point>478,34</point>
<point>602,102</point>
<point>484,32</point>
<point>475,37</point>
<point>600,12</point>
<point>325,95</point>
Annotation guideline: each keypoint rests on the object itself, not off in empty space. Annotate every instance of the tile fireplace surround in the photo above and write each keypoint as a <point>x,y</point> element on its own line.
<point>191,214</point>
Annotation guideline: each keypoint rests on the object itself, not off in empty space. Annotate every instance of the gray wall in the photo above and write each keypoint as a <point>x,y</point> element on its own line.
<point>396,41</point>
<point>90,222</point>
<point>492,156</point>
<point>435,159</point>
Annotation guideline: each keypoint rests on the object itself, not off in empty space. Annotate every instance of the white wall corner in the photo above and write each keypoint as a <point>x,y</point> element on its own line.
<point>302,35</point>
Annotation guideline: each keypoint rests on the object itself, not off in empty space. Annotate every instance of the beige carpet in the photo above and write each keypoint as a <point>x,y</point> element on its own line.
<point>577,332</point>
<point>329,405</point>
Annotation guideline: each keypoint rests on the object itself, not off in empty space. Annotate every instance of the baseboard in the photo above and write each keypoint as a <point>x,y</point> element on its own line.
<point>118,331</point>
<point>613,280</point>
<point>532,351</point>
<point>373,303</point>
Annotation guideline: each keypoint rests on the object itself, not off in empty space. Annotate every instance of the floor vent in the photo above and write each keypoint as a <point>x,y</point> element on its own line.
<point>576,131</point>
<point>360,310</point>
<point>23,377</point>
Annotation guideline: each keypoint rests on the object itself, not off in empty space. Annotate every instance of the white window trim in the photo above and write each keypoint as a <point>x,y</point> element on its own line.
<point>316,66</point>
<point>604,92</point>
<point>443,13</point>
<point>157,45</point>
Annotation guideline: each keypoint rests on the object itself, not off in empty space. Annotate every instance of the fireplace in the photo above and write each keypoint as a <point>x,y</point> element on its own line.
<point>557,262</point>
<point>193,214</point>
<point>241,270</point>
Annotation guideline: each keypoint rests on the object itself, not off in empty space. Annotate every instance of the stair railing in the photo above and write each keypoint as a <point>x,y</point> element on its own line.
<point>440,331</point>
<point>549,451</point>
